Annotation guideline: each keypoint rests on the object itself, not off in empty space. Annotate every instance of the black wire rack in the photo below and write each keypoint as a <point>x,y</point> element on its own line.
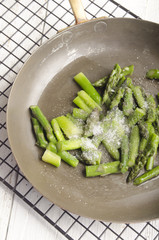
<point>25,25</point>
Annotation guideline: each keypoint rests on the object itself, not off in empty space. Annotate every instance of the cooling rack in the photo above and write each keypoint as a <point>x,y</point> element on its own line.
<point>25,25</point>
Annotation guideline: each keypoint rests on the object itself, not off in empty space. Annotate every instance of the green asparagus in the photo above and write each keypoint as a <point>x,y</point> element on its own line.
<point>139,97</point>
<point>128,102</point>
<point>37,113</point>
<point>68,127</point>
<point>100,82</point>
<point>52,158</point>
<point>115,102</point>
<point>81,104</point>
<point>40,138</point>
<point>127,126</point>
<point>86,85</point>
<point>68,158</point>
<point>147,176</point>
<point>153,74</point>
<point>137,115</point>
<point>103,169</point>
<point>88,100</point>
<point>124,154</point>
<point>80,113</point>
<point>134,146</point>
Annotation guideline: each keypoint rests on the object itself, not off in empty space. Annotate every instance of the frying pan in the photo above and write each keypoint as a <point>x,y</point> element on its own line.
<point>46,79</point>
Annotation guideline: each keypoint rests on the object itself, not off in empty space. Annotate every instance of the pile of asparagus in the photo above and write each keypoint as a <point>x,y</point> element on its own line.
<point>125,120</point>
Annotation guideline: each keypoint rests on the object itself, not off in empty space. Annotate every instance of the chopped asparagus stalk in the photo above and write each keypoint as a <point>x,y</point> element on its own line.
<point>58,133</point>
<point>52,158</point>
<point>128,102</point>
<point>117,98</point>
<point>100,82</point>
<point>153,74</point>
<point>92,157</point>
<point>144,128</point>
<point>68,158</point>
<point>81,104</point>
<point>51,146</point>
<point>136,116</point>
<point>88,100</point>
<point>78,122</point>
<point>37,113</point>
<point>124,154</point>
<point>127,71</point>
<point>150,163</point>
<point>112,150</point>
<point>68,127</point>
<point>69,144</point>
<point>80,113</point>
<point>92,124</point>
<point>112,82</point>
<point>139,97</point>
<point>129,83</point>
<point>151,111</point>
<point>86,85</point>
<point>142,160</point>
<point>102,169</point>
<point>134,145</point>
<point>147,176</point>
<point>40,138</point>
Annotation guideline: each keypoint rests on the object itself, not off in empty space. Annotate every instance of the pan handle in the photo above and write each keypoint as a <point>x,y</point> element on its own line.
<point>78,11</point>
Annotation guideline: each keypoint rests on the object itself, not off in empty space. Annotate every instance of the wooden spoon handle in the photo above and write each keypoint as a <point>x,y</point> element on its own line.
<point>78,11</point>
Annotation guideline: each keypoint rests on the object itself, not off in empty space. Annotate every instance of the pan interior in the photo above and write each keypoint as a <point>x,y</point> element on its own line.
<point>47,80</point>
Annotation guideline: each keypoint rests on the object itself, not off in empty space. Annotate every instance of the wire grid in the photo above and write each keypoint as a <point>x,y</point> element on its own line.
<point>25,25</point>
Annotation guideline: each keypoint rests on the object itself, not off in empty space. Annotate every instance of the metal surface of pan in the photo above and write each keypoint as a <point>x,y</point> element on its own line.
<point>46,79</point>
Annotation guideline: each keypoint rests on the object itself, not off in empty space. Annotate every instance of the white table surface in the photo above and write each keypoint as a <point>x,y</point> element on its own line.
<point>18,221</point>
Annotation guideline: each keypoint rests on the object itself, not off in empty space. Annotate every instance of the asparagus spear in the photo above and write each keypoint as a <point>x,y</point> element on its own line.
<point>112,82</point>
<point>157,119</point>
<point>40,138</point>
<point>128,102</point>
<point>68,158</point>
<point>37,113</point>
<point>136,116</point>
<point>129,83</point>
<point>102,169</point>
<point>88,100</point>
<point>52,147</point>
<point>119,95</point>
<point>52,158</point>
<point>101,82</point>
<point>80,113</point>
<point>92,123</point>
<point>58,133</point>
<point>134,146</point>
<point>153,74</point>
<point>86,85</point>
<point>144,128</point>
<point>124,154</point>
<point>68,127</point>
<point>151,111</point>
<point>69,144</point>
<point>150,150</point>
<point>150,162</point>
<point>139,97</point>
<point>147,176</point>
<point>127,71</point>
<point>78,122</point>
<point>92,156</point>
<point>81,104</point>
<point>112,150</point>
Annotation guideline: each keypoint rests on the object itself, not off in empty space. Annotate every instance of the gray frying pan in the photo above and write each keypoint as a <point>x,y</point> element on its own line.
<point>46,79</point>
